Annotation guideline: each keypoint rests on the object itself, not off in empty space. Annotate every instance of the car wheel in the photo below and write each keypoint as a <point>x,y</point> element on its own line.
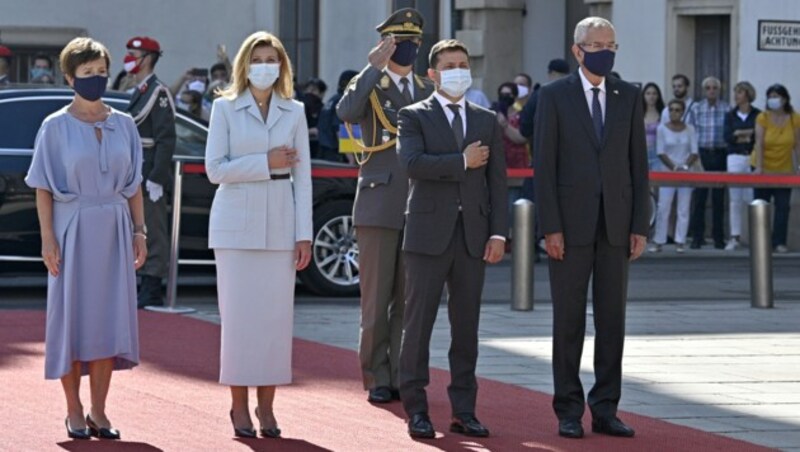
<point>334,253</point>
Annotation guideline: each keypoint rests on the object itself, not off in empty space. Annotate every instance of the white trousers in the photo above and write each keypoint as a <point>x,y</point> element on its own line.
<point>665,197</point>
<point>739,197</point>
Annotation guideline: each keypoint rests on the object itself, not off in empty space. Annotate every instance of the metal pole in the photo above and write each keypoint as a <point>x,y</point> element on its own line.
<point>761,295</point>
<point>172,278</point>
<point>522,255</point>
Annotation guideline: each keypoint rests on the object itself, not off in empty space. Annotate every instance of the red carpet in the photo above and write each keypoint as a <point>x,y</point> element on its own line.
<point>172,402</point>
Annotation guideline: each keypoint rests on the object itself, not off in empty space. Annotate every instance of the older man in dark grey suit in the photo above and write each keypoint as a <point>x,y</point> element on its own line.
<point>455,222</point>
<point>592,197</point>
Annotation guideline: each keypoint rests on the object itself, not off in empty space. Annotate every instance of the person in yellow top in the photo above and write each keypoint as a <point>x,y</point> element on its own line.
<point>777,151</point>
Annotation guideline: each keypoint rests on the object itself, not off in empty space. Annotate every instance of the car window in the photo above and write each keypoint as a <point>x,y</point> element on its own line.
<point>20,120</point>
<point>191,138</point>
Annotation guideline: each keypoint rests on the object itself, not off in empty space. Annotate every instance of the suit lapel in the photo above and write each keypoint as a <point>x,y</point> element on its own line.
<point>439,121</point>
<point>275,110</point>
<point>612,107</point>
<point>578,99</point>
<point>473,125</point>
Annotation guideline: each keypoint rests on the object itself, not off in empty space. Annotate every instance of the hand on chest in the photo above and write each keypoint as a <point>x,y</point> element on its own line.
<point>251,135</point>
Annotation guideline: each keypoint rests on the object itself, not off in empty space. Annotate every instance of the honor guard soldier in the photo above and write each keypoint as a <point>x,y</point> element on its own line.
<point>373,100</point>
<point>153,109</point>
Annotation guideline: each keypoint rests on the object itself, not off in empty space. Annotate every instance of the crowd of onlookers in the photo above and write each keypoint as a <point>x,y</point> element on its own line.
<point>686,134</point>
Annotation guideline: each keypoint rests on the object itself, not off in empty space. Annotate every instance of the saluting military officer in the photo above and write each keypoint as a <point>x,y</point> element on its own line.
<point>372,100</point>
<point>153,110</point>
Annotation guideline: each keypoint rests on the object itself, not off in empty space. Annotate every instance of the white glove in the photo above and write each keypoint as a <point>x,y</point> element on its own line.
<point>154,191</point>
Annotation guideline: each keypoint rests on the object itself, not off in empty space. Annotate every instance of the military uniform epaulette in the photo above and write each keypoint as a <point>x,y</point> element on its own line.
<point>151,92</point>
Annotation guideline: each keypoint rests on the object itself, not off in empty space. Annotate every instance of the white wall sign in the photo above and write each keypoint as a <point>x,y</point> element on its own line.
<point>780,35</point>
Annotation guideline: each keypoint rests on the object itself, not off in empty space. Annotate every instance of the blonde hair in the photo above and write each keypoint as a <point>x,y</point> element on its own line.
<point>241,67</point>
<point>80,51</point>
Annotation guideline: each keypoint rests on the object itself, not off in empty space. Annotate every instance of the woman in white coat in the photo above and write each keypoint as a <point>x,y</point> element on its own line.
<point>260,225</point>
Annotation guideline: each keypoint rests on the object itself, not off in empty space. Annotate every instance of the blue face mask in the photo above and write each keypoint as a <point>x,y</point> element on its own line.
<point>37,72</point>
<point>599,63</point>
<point>90,88</point>
<point>405,53</point>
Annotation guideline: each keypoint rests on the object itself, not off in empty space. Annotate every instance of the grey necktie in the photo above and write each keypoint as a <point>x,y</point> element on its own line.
<point>597,114</point>
<point>406,91</point>
<point>457,125</point>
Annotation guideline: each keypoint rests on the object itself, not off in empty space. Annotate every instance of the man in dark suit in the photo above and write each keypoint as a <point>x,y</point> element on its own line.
<point>153,109</point>
<point>592,197</point>
<point>456,219</point>
<point>372,100</point>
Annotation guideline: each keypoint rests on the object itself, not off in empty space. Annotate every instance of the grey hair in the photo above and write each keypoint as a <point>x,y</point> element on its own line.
<point>711,80</point>
<point>590,22</point>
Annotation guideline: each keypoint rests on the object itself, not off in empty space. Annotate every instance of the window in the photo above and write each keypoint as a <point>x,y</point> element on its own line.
<point>430,28</point>
<point>22,119</point>
<point>23,60</point>
<point>299,25</point>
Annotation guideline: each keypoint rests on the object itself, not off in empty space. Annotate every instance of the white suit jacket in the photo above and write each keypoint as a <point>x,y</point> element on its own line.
<point>250,210</point>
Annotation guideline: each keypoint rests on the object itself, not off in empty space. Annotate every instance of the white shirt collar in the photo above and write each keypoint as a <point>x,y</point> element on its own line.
<point>397,77</point>
<point>587,85</point>
<point>445,102</point>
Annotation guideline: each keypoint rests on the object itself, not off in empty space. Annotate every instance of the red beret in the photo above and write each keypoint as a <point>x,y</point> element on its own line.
<point>5,51</point>
<point>144,43</point>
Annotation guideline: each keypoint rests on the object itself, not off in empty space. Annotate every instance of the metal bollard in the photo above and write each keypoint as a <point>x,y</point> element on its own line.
<point>522,255</point>
<point>172,277</point>
<point>761,295</point>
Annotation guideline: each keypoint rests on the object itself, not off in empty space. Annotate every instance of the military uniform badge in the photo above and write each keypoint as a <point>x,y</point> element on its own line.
<point>385,82</point>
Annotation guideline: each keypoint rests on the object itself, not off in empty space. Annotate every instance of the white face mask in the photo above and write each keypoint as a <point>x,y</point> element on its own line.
<point>263,75</point>
<point>455,82</point>
<point>522,91</point>
<point>198,86</point>
<point>774,103</point>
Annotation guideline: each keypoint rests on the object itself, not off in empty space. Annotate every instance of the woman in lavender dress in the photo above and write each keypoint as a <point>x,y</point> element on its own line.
<point>86,170</point>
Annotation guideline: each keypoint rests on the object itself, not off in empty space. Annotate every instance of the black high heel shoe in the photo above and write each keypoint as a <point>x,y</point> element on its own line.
<point>273,432</point>
<point>242,432</point>
<point>76,434</point>
<point>101,432</point>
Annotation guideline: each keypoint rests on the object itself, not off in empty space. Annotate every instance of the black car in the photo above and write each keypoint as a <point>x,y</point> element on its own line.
<point>333,269</point>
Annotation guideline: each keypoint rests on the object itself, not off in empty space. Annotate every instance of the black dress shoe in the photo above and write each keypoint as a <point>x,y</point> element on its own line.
<point>381,394</point>
<point>242,432</point>
<point>419,426</point>
<point>468,425</point>
<point>77,434</point>
<point>101,432</point>
<point>395,394</point>
<point>570,428</point>
<point>696,244</point>
<point>611,426</point>
<point>719,245</point>
<point>272,432</point>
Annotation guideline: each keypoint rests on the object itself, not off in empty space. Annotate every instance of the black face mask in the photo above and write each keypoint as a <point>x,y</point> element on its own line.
<point>405,53</point>
<point>507,99</point>
<point>90,88</point>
